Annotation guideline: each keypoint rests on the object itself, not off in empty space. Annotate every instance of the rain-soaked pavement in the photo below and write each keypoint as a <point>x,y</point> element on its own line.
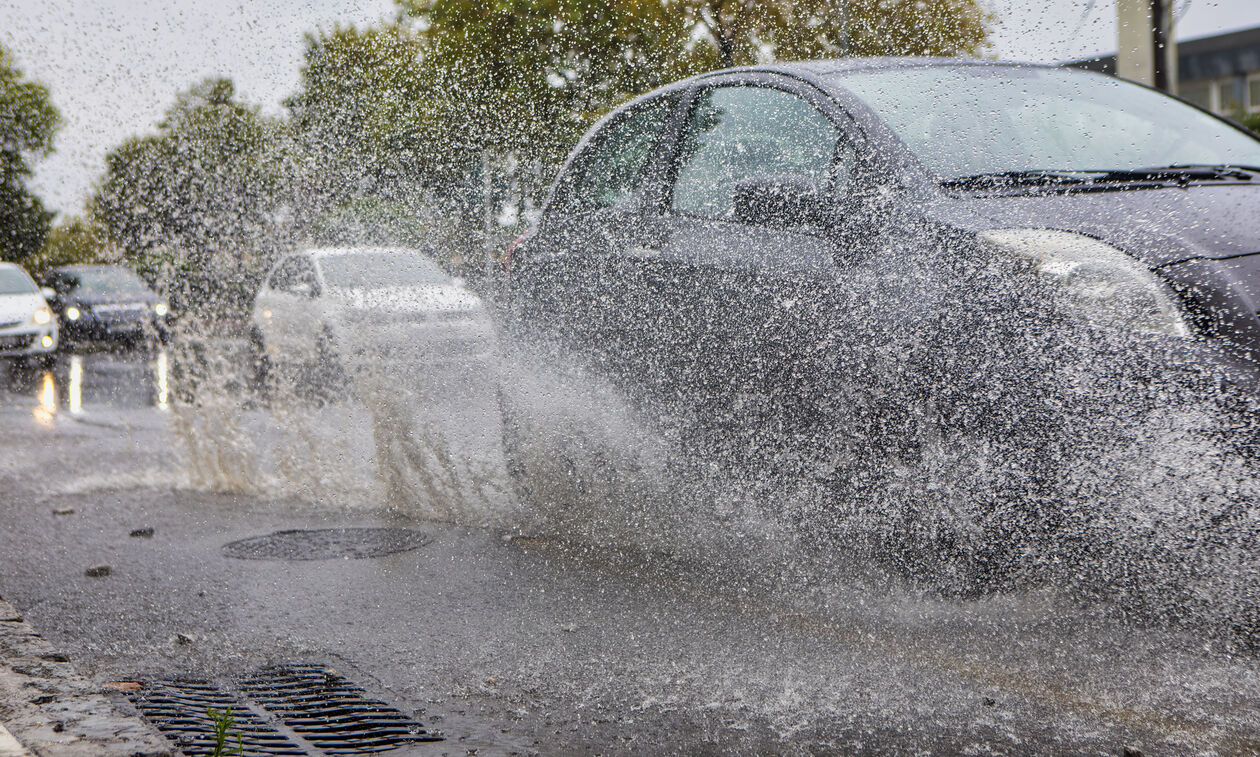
<point>512,643</point>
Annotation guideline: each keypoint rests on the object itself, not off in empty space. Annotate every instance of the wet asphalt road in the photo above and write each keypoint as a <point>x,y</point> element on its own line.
<point>514,644</point>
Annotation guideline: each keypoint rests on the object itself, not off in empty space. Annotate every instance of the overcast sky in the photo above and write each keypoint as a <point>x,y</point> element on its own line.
<point>114,65</point>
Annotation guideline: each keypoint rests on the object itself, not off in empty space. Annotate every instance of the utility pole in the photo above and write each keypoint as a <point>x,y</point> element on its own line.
<point>1146,47</point>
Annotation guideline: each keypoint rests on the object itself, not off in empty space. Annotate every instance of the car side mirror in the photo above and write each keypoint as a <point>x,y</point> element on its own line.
<point>48,293</point>
<point>784,200</point>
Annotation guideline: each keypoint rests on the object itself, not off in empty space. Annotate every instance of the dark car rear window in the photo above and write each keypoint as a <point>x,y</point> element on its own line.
<point>378,270</point>
<point>110,281</point>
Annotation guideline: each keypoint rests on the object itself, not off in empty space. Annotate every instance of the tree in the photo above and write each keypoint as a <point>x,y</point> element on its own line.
<point>196,203</point>
<point>360,118</point>
<point>748,31</point>
<point>1251,121</point>
<point>28,122</point>
<point>533,73</point>
<point>74,240</point>
<point>528,76</point>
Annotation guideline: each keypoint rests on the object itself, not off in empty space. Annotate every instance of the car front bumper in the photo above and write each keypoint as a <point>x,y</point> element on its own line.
<point>26,340</point>
<point>114,327</point>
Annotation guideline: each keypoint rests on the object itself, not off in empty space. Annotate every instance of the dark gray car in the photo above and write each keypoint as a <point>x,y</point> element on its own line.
<point>852,274</point>
<point>105,303</point>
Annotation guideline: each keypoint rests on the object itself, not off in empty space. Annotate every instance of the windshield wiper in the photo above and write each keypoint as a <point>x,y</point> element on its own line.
<point>1181,173</point>
<point>1016,179</point>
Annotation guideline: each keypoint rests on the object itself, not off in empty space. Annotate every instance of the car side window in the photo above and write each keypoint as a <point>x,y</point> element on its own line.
<point>293,272</point>
<point>739,132</point>
<point>610,171</point>
<point>62,283</point>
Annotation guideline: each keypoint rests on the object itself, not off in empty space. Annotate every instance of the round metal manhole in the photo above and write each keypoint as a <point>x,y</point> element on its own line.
<point>326,544</point>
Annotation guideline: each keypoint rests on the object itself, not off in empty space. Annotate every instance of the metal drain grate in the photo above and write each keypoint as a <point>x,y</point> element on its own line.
<point>179,709</point>
<point>304,709</point>
<point>330,712</point>
<point>326,543</point>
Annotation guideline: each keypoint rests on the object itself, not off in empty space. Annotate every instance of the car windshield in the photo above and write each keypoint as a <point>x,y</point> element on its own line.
<point>971,120</point>
<point>378,270</point>
<point>111,281</point>
<point>15,281</point>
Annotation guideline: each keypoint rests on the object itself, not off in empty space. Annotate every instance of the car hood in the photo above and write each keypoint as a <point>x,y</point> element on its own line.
<point>128,298</point>
<point>435,298</point>
<point>19,307</point>
<point>1157,226</point>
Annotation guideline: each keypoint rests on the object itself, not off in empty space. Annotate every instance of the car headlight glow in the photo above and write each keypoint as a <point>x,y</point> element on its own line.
<point>72,313</point>
<point>43,316</point>
<point>161,309</point>
<point>1108,288</point>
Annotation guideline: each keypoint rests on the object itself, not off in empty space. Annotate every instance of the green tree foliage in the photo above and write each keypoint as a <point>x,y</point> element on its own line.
<point>28,122</point>
<point>378,163</point>
<point>1251,121</point>
<point>360,116</point>
<point>748,31</point>
<point>528,76</point>
<point>72,241</point>
<point>531,74</point>
<point>196,202</point>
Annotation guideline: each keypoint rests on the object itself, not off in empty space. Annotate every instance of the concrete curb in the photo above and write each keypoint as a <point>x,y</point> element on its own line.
<point>49,710</point>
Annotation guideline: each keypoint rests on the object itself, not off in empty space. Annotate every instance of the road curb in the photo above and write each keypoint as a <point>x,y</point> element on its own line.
<point>48,710</point>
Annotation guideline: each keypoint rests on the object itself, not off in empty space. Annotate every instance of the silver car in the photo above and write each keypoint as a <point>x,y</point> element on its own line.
<point>322,310</point>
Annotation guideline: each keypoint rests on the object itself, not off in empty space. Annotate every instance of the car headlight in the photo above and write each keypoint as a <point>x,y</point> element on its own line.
<point>72,313</point>
<point>1108,288</point>
<point>43,316</point>
<point>161,309</point>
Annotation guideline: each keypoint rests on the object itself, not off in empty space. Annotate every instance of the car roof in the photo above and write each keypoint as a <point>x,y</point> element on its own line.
<point>322,252</point>
<point>86,268</point>
<point>816,70</point>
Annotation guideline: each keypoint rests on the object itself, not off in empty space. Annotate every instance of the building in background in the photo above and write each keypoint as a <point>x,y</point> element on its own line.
<point>1220,73</point>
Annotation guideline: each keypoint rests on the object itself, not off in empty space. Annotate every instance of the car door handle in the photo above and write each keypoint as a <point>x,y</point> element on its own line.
<point>643,252</point>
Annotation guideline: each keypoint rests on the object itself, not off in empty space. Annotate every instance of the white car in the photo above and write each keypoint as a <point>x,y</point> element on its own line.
<point>28,329</point>
<point>324,309</point>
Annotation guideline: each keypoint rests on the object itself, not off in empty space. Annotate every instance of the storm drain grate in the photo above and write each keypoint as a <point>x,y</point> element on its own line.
<point>305,709</point>
<point>180,710</point>
<point>326,544</point>
<point>330,712</point>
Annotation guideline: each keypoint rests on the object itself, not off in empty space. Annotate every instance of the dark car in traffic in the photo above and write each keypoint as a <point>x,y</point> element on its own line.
<point>106,304</point>
<point>869,277</point>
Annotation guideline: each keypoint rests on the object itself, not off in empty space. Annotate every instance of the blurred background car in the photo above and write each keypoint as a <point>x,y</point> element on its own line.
<point>323,310</point>
<point>106,303</point>
<point>27,327</point>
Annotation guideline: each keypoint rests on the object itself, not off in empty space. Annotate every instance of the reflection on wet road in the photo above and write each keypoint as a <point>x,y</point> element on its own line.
<point>77,383</point>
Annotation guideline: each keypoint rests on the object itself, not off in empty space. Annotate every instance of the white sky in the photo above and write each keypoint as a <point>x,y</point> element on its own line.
<point>114,66</point>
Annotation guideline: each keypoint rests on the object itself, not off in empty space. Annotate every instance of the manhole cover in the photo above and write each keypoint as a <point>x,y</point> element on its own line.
<point>326,544</point>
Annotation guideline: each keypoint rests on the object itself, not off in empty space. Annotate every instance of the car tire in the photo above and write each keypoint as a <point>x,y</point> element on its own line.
<point>259,372</point>
<point>514,459</point>
<point>327,379</point>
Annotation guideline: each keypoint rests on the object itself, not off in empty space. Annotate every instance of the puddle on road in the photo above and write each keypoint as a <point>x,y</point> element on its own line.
<point>428,443</point>
<point>80,383</point>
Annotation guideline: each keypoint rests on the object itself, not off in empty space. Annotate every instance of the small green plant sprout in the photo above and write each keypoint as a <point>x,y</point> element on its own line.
<point>223,721</point>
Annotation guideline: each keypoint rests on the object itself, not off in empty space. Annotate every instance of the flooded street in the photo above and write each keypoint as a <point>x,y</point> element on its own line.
<point>512,641</point>
<point>684,377</point>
